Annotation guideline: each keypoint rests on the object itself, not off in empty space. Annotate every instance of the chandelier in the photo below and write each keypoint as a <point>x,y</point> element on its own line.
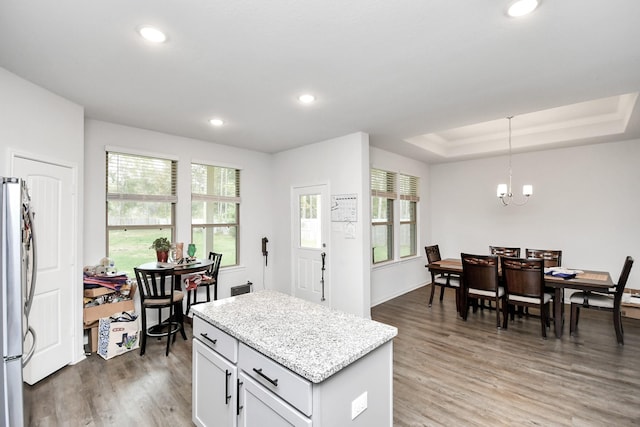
<point>504,192</point>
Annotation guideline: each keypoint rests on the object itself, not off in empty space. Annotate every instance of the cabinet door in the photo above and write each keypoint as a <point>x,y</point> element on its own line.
<point>214,388</point>
<point>260,407</point>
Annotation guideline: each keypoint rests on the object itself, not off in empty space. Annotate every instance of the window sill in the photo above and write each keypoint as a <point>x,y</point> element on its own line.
<point>395,262</point>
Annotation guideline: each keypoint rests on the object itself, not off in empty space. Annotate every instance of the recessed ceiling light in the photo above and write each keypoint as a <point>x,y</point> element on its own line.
<point>216,122</point>
<point>522,7</point>
<point>152,34</point>
<point>306,98</point>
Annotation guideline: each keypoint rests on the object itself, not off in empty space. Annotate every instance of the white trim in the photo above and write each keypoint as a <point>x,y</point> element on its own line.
<point>134,152</point>
<point>216,163</point>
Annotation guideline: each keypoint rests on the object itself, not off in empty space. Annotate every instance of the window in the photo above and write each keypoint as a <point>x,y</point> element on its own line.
<point>141,199</point>
<point>382,197</point>
<point>215,211</point>
<point>408,225</point>
<point>387,233</point>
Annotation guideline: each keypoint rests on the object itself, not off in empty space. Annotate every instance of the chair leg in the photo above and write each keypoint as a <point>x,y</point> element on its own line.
<point>143,339</point>
<point>617,323</point>
<point>498,314</point>
<point>505,314</point>
<point>441,293</point>
<point>544,315</point>
<point>169,334</point>
<point>188,302</point>
<point>180,318</point>
<point>575,312</point>
<point>433,290</point>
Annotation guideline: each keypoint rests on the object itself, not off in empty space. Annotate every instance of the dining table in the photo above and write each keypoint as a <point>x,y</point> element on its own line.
<point>584,280</point>
<point>180,269</point>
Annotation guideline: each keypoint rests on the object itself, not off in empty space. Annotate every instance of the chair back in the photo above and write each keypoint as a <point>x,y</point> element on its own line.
<point>155,285</point>
<point>551,257</point>
<point>480,272</point>
<point>433,253</point>
<point>523,276</point>
<point>622,281</point>
<point>504,251</point>
<point>215,267</point>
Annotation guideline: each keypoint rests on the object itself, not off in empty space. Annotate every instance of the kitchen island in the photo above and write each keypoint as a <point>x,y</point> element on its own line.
<point>267,358</point>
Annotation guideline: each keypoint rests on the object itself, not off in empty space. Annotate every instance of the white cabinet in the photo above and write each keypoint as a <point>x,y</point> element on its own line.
<point>236,385</point>
<point>215,378</point>
<point>260,407</point>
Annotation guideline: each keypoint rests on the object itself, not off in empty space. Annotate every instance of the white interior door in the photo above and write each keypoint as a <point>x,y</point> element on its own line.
<point>310,212</point>
<point>50,187</point>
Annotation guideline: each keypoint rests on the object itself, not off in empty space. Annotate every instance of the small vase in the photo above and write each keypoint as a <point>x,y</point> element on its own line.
<point>162,256</point>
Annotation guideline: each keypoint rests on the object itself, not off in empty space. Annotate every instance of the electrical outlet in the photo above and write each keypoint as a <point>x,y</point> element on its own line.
<point>358,405</point>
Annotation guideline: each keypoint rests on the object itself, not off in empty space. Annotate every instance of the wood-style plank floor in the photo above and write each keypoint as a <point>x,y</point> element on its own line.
<point>447,372</point>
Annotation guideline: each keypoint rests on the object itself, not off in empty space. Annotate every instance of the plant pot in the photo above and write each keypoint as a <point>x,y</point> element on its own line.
<point>162,256</point>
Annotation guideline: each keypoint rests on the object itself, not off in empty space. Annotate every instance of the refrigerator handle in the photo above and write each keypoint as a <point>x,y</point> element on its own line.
<point>34,260</point>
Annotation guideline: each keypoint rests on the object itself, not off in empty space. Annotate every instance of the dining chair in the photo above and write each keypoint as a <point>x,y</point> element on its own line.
<point>480,281</point>
<point>158,293</point>
<point>523,279</point>
<point>609,301</point>
<point>446,280</point>
<point>210,279</point>
<point>551,257</point>
<point>501,251</point>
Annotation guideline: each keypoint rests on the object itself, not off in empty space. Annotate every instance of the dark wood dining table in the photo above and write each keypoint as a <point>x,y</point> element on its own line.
<point>588,280</point>
<point>179,270</point>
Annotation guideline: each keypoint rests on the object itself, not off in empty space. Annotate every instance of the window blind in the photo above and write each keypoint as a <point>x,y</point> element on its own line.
<point>141,178</point>
<point>383,184</point>
<point>409,188</point>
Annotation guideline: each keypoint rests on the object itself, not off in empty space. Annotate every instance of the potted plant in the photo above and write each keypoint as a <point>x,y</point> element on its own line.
<point>162,245</point>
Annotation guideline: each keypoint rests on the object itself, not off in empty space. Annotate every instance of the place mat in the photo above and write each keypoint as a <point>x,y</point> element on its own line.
<point>593,276</point>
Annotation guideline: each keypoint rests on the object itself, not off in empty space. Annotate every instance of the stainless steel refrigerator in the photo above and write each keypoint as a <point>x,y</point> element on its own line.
<point>17,276</point>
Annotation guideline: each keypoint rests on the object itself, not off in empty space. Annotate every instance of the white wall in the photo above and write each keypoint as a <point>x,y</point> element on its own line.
<point>343,164</point>
<point>392,279</point>
<point>586,202</point>
<point>37,124</point>
<point>255,191</point>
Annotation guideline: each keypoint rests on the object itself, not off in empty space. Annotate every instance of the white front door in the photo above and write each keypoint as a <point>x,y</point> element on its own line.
<point>310,213</point>
<point>50,187</point>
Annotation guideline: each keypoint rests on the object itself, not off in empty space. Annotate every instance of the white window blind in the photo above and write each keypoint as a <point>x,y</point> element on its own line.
<point>409,188</point>
<point>141,178</point>
<point>383,184</point>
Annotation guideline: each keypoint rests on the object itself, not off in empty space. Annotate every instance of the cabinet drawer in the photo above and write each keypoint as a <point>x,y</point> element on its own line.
<point>288,385</point>
<point>223,343</point>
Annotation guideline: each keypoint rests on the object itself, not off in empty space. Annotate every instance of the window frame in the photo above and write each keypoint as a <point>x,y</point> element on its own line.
<point>219,198</point>
<point>383,185</point>
<point>171,197</point>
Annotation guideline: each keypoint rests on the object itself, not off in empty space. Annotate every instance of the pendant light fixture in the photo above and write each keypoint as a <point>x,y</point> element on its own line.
<point>504,191</point>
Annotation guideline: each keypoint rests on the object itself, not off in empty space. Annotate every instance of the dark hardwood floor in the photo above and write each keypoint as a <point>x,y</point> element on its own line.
<point>447,372</point>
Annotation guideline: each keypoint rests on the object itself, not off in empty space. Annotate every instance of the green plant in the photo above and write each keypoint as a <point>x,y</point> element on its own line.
<point>161,244</point>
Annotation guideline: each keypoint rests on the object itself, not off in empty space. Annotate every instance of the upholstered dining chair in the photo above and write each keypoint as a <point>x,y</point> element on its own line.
<point>501,251</point>
<point>443,280</point>
<point>211,280</point>
<point>480,281</point>
<point>551,257</point>
<point>609,301</point>
<point>158,293</point>
<point>523,279</point>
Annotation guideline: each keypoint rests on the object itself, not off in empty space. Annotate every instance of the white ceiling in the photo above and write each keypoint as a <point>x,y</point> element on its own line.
<point>410,73</point>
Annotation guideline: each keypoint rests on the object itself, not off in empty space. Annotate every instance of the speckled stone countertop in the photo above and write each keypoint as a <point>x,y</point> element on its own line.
<point>311,340</point>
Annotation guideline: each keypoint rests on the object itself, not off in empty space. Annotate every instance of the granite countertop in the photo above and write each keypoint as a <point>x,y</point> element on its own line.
<point>313,341</point>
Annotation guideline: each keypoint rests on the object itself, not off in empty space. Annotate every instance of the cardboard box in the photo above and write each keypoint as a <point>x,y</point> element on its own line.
<point>93,314</point>
<point>631,309</point>
<point>93,336</point>
<point>97,292</point>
